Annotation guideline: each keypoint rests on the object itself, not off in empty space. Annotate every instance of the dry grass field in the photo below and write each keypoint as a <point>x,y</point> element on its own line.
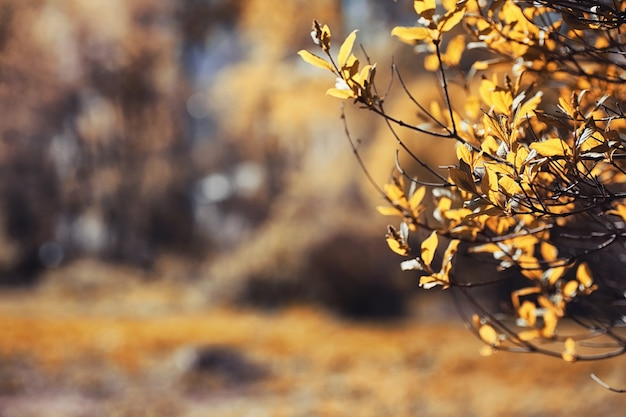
<point>153,350</point>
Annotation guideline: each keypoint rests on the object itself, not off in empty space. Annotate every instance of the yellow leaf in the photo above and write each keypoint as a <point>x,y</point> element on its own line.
<point>486,351</point>
<point>527,110</point>
<point>430,281</point>
<point>583,275</point>
<point>554,274</point>
<point>395,191</point>
<point>550,321</point>
<point>509,185</point>
<point>569,354</point>
<point>480,65</point>
<point>431,63</point>
<point>388,211</point>
<point>489,186</point>
<point>417,198</point>
<point>313,59</point>
<point>454,51</point>
<point>411,34</point>
<point>528,335</point>
<point>448,256</point>
<point>502,100</point>
<point>464,154</point>
<point>397,246</point>
<point>343,94</point>
<point>528,313</point>
<point>451,19</point>
<point>396,241</point>
<point>549,252</point>
<point>363,76</point>
<point>429,247</point>
<point>489,335</point>
<point>425,8</point>
<point>552,147</point>
<point>570,289</point>
<point>567,108</point>
<point>346,49</point>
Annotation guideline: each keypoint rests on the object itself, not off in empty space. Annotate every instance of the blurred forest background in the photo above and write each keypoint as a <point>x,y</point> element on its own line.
<point>158,134</point>
<point>185,231</point>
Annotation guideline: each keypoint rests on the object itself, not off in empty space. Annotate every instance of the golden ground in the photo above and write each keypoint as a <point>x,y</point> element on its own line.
<point>148,351</point>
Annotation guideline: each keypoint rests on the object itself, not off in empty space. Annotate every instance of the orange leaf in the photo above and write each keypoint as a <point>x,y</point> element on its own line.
<point>583,275</point>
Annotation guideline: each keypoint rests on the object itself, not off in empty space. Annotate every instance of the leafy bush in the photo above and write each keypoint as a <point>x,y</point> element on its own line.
<point>539,184</point>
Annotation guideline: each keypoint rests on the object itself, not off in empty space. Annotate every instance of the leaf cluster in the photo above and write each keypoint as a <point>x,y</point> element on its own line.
<point>541,142</point>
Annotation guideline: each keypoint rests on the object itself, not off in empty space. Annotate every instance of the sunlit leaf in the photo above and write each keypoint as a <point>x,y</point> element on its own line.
<point>340,93</point>
<point>528,313</point>
<point>455,49</point>
<point>411,34</point>
<point>429,247</point>
<point>567,108</point>
<point>489,335</point>
<point>431,63</point>
<point>346,49</point>
<point>549,252</point>
<point>550,321</point>
<point>425,8</point>
<point>554,274</point>
<point>451,19</point>
<point>396,241</point>
<point>313,59</point>
<point>509,185</point>
<point>569,354</point>
<point>570,289</point>
<point>489,185</point>
<point>528,335</point>
<point>464,154</point>
<point>389,211</point>
<point>416,198</point>
<point>584,276</point>
<point>552,147</point>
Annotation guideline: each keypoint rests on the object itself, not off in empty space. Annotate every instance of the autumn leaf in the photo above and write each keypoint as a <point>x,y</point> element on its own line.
<point>489,335</point>
<point>425,8</point>
<point>346,49</point>
<point>429,247</point>
<point>398,240</point>
<point>463,180</point>
<point>552,147</point>
<point>313,59</point>
<point>411,34</point>
<point>569,354</point>
<point>584,276</point>
<point>450,20</point>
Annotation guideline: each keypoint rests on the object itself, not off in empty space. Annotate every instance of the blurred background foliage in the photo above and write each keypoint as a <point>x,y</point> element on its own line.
<point>188,135</point>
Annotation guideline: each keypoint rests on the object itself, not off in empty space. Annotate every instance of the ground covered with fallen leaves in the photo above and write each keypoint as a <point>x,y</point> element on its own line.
<point>156,349</point>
